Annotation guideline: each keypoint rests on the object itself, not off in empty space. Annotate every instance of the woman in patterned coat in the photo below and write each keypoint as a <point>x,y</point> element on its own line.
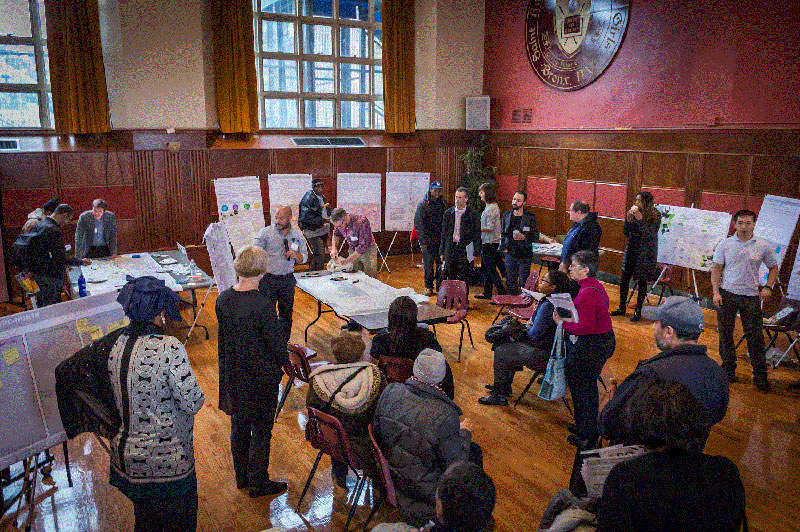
<point>157,396</point>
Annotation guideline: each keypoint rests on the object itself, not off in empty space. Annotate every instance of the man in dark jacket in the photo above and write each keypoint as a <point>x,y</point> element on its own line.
<point>47,258</point>
<point>461,237</point>
<point>519,231</point>
<point>678,324</point>
<point>428,225</point>
<point>313,220</point>
<point>418,429</point>
<point>584,235</point>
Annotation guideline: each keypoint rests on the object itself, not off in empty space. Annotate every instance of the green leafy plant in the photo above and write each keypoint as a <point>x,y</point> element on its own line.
<point>477,171</point>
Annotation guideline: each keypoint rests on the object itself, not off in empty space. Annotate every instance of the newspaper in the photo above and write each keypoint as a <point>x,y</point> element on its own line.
<point>598,463</point>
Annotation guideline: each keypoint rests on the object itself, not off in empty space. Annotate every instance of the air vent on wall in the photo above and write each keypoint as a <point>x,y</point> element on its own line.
<point>9,144</point>
<point>322,142</point>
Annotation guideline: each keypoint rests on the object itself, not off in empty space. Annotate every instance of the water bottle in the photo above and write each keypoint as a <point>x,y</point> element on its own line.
<point>82,286</point>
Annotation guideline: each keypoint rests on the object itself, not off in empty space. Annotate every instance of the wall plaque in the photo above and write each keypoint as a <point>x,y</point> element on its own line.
<point>571,42</point>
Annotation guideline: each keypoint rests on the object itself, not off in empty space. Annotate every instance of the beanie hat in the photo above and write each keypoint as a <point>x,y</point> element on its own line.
<point>430,366</point>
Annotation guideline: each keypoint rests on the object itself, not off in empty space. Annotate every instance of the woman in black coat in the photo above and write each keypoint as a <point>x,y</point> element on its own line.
<point>640,261</point>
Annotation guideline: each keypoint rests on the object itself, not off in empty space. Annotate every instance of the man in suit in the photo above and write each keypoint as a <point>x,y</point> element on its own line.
<point>519,231</point>
<point>96,233</point>
<point>461,237</point>
<point>584,235</point>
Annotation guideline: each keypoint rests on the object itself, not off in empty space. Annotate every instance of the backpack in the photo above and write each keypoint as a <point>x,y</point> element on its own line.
<point>22,252</point>
<point>505,331</point>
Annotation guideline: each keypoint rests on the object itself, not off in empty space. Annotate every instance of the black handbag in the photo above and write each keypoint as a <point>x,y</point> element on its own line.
<point>505,331</point>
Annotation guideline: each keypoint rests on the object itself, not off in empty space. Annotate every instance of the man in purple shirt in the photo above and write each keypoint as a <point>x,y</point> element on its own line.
<point>354,229</point>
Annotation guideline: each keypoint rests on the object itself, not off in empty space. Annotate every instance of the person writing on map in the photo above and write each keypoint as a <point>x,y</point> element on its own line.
<point>356,230</point>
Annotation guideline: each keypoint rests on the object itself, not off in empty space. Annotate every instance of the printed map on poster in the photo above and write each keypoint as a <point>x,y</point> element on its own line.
<point>32,344</point>
<point>219,253</point>
<point>287,189</point>
<point>776,222</point>
<point>404,191</point>
<point>360,194</point>
<point>241,208</point>
<point>688,237</point>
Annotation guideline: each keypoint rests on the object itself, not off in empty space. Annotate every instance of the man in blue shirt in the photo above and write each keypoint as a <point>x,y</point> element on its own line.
<point>584,235</point>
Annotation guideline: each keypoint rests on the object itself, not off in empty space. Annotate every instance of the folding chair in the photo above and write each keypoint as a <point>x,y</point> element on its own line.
<point>396,369</point>
<point>664,280</point>
<point>298,368</point>
<point>327,434</point>
<point>774,331</point>
<point>453,296</point>
<point>390,494</point>
<point>520,301</point>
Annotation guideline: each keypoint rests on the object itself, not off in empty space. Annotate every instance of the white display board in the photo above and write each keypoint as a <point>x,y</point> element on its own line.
<point>219,253</point>
<point>32,344</point>
<point>794,281</point>
<point>287,189</point>
<point>360,194</point>
<point>404,191</point>
<point>688,237</point>
<point>776,223</point>
<point>241,208</point>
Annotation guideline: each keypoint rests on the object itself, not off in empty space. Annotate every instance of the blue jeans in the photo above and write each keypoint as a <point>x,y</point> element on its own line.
<point>517,270</point>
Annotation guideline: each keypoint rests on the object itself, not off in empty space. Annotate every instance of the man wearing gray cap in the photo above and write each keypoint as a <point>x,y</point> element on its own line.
<point>418,428</point>
<point>677,325</point>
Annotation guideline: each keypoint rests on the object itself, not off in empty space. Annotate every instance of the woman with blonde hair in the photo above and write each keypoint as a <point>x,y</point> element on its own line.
<point>250,369</point>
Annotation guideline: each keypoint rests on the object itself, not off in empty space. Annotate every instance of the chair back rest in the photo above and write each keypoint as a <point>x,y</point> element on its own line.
<point>383,467</point>
<point>532,282</point>
<point>326,433</point>
<point>396,369</point>
<point>298,366</point>
<point>795,304</point>
<point>453,296</point>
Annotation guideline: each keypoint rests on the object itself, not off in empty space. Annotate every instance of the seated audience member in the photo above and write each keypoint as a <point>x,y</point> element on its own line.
<point>677,325</point>
<point>404,338</point>
<point>533,351</point>
<point>157,396</point>
<point>419,432</point>
<point>251,358</point>
<point>347,390</point>
<point>673,486</point>
<point>96,232</point>
<point>465,501</point>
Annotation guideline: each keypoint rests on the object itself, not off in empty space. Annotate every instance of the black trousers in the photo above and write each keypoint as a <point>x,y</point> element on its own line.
<point>317,245</point>
<point>432,264</point>
<point>457,267</point>
<point>585,360</point>
<point>96,252</point>
<point>641,293</point>
<point>749,308</point>
<point>49,290</point>
<point>510,358</point>
<point>250,444</point>
<point>280,290</point>
<point>168,514</point>
<point>490,263</point>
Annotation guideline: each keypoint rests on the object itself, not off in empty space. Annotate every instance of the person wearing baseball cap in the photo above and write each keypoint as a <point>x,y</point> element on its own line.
<point>428,225</point>
<point>677,326</point>
<point>314,220</point>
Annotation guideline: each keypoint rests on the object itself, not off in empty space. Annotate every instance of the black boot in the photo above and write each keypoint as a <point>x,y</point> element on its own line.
<point>619,312</point>
<point>637,315</point>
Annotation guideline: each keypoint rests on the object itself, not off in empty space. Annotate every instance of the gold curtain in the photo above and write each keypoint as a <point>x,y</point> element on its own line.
<point>234,65</point>
<point>77,74</point>
<point>398,65</point>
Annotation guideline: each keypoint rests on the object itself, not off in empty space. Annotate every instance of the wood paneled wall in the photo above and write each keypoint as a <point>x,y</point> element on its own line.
<point>710,169</point>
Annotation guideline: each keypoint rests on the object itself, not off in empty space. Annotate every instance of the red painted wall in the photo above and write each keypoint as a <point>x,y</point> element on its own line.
<point>680,64</point>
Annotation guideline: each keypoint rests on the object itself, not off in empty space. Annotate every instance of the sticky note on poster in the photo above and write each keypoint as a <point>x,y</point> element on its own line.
<point>82,325</point>
<point>11,355</point>
<point>96,332</point>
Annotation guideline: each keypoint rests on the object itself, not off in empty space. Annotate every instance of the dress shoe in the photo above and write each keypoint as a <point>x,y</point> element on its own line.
<point>762,385</point>
<point>795,385</point>
<point>637,315</point>
<point>482,296</point>
<point>493,399</point>
<point>618,312</point>
<point>572,428</point>
<point>490,387</point>
<point>241,484</point>
<point>268,488</point>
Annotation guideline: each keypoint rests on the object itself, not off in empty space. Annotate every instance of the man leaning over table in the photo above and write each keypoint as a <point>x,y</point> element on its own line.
<point>356,230</point>
<point>285,246</point>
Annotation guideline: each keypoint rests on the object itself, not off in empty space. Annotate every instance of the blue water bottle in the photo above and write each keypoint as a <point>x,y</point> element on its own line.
<point>82,286</point>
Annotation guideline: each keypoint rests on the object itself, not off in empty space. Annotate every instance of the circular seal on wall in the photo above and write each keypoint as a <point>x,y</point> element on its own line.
<point>571,42</point>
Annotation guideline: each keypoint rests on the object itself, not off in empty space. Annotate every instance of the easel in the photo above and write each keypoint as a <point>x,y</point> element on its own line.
<point>383,257</point>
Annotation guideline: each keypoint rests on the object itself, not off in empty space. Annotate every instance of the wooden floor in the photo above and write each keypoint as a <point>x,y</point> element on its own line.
<point>525,450</point>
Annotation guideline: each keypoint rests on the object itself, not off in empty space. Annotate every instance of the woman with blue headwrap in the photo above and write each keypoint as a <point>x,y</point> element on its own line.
<point>157,396</point>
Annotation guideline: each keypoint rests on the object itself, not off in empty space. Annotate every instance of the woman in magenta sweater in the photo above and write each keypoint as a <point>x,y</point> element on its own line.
<point>590,342</point>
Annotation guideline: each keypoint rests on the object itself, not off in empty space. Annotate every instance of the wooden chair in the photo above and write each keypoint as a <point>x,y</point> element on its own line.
<point>453,296</point>
<point>298,368</point>
<point>390,493</point>
<point>327,434</point>
<point>513,301</point>
<point>396,369</point>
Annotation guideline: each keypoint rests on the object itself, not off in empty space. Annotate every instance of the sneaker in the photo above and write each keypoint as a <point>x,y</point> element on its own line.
<point>762,385</point>
<point>268,488</point>
<point>493,399</point>
<point>618,312</point>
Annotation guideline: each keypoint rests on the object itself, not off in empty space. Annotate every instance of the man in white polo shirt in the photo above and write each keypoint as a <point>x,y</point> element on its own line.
<point>734,278</point>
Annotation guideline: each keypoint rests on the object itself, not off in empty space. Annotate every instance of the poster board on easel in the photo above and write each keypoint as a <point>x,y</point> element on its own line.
<point>240,207</point>
<point>404,191</point>
<point>361,194</point>
<point>777,220</point>
<point>287,189</point>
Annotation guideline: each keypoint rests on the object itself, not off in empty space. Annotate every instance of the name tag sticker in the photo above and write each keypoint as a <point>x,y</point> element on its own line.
<point>353,238</point>
<point>295,245</point>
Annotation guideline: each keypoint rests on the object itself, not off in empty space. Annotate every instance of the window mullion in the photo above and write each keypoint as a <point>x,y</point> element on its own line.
<point>38,55</point>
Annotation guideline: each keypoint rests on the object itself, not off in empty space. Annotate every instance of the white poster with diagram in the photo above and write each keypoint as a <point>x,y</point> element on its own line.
<point>404,191</point>
<point>240,207</point>
<point>776,223</point>
<point>360,194</point>
<point>688,237</point>
<point>287,189</point>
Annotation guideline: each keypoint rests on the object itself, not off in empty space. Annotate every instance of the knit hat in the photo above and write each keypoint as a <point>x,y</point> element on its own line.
<point>430,366</point>
<point>347,347</point>
<point>144,298</point>
<point>51,205</point>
